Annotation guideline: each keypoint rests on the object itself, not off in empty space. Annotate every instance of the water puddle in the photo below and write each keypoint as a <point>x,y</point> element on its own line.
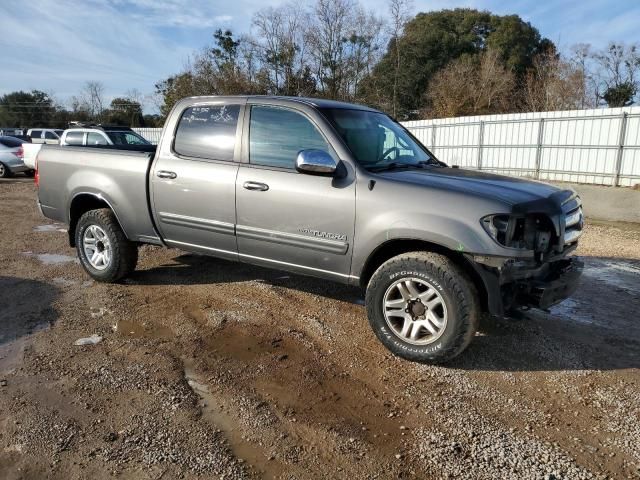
<point>139,330</point>
<point>52,227</point>
<point>52,258</point>
<point>213,408</point>
<point>11,355</point>
<point>571,310</point>
<point>619,273</point>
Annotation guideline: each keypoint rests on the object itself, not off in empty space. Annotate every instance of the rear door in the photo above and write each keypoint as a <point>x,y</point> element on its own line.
<point>288,219</point>
<point>193,178</point>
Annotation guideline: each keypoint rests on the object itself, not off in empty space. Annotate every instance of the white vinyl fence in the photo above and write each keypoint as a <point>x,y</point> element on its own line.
<point>598,146</point>
<point>151,134</point>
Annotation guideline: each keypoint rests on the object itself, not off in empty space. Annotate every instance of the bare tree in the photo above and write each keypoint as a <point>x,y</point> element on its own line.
<point>472,86</point>
<point>555,84</point>
<point>619,69</point>
<point>400,11</point>
<point>91,100</point>
<point>330,24</point>
<point>280,42</point>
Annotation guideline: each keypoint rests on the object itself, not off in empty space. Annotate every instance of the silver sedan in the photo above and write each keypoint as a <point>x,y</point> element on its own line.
<point>12,157</point>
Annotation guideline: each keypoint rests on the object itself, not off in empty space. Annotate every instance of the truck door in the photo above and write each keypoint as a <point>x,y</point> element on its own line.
<point>193,179</point>
<point>287,219</point>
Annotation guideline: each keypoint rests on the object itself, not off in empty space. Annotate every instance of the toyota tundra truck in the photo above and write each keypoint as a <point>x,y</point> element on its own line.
<point>329,189</point>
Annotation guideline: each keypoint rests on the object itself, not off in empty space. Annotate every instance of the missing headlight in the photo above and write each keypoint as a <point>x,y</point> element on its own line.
<point>531,232</point>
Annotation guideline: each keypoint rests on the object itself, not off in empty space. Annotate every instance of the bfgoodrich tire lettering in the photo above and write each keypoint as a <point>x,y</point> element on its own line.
<point>123,254</point>
<point>455,291</point>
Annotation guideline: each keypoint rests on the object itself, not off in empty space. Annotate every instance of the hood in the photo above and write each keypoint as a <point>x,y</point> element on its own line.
<point>509,190</point>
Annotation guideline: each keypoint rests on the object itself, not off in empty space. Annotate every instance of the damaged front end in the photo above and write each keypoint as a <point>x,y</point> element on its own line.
<point>541,273</point>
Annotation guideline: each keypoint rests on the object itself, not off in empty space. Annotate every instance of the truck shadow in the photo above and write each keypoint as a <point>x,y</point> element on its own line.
<point>596,329</point>
<point>193,269</point>
<point>26,306</point>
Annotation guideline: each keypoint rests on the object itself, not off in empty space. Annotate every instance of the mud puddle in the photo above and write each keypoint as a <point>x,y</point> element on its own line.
<point>214,408</point>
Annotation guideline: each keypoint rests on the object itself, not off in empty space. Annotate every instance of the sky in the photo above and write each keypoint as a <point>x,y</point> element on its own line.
<point>58,45</point>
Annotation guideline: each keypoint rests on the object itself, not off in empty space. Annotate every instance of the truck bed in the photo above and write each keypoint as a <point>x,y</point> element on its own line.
<point>119,177</point>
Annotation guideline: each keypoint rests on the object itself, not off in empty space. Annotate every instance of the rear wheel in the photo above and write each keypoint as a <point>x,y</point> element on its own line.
<point>423,307</point>
<point>4,171</point>
<point>104,250</point>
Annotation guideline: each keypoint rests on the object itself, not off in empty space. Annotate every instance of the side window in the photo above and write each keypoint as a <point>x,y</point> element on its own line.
<point>95,139</point>
<point>36,133</point>
<point>207,132</point>
<point>276,135</point>
<point>132,139</point>
<point>74,138</point>
<point>50,136</point>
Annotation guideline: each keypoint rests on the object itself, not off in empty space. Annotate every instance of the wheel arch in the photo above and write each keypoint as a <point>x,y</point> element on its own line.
<point>81,203</point>
<point>394,247</point>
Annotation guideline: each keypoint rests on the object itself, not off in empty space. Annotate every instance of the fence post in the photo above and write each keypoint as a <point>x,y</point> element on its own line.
<point>623,134</point>
<point>433,138</point>
<point>480,141</point>
<point>539,147</point>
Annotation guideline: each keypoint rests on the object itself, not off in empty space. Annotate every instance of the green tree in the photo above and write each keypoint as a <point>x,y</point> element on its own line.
<point>432,40</point>
<point>125,111</point>
<point>27,109</point>
<point>620,95</point>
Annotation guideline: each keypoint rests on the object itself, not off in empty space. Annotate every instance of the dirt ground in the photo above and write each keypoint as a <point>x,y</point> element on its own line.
<point>209,369</point>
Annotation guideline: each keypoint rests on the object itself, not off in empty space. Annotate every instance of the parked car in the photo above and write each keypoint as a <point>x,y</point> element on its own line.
<point>104,136</point>
<point>50,136</point>
<point>112,138</point>
<point>24,138</point>
<point>11,157</point>
<point>328,189</point>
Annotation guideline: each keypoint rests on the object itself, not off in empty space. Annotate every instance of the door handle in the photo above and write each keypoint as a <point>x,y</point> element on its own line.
<point>166,174</point>
<point>261,187</point>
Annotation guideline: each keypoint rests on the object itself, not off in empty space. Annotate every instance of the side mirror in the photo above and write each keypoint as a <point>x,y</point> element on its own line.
<point>315,162</point>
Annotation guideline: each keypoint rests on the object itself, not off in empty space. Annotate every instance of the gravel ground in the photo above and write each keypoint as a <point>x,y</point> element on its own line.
<point>209,369</point>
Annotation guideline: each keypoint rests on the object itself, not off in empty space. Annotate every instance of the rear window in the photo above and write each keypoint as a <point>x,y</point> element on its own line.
<point>74,138</point>
<point>208,132</point>
<point>11,142</point>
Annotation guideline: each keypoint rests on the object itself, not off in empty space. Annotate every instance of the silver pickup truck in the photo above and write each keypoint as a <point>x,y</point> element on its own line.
<point>329,189</point>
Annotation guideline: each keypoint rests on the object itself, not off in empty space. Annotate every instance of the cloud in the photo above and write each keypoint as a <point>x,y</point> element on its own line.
<point>57,46</point>
<point>174,13</point>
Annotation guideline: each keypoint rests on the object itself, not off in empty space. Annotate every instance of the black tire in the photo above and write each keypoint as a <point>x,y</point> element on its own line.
<point>124,254</point>
<point>454,287</point>
<point>4,171</point>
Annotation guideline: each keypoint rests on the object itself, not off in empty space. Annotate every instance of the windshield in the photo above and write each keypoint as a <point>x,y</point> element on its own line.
<point>376,141</point>
<point>126,138</point>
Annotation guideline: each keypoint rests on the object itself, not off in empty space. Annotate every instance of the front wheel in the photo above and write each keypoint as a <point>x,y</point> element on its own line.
<point>104,250</point>
<point>423,307</point>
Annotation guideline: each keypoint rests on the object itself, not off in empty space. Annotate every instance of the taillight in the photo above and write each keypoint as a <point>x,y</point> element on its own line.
<point>36,176</point>
<point>19,153</point>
